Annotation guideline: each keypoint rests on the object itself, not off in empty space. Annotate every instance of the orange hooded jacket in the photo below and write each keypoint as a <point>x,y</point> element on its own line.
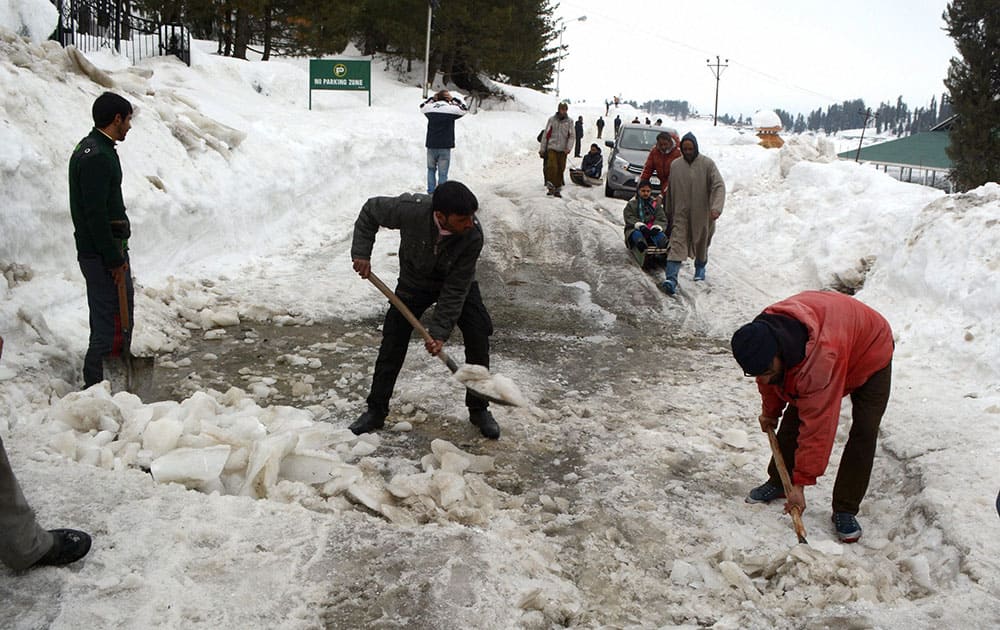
<point>848,343</point>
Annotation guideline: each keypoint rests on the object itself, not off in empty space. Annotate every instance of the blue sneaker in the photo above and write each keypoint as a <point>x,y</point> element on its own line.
<point>699,274</point>
<point>765,493</point>
<point>669,287</point>
<point>848,529</point>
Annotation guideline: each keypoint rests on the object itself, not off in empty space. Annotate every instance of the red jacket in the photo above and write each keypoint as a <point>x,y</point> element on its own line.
<point>848,343</point>
<point>660,162</point>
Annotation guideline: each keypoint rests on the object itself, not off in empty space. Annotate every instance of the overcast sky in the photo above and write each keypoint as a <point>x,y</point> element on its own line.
<point>797,55</point>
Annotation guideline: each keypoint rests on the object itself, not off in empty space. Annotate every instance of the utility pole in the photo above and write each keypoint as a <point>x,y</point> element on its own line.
<point>582,18</point>
<point>867,113</point>
<point>431,5</point>
<point>716,69</point>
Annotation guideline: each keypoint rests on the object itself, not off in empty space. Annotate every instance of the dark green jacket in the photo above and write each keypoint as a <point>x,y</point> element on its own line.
<point>446,266</point>
<point>634,213</point>
<point>95,199</point>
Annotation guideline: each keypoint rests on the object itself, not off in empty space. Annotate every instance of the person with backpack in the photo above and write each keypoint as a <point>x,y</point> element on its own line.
<point>555,145</point>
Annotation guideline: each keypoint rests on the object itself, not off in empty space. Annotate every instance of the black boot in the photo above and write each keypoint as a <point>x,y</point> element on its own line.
<point>367,422</point>
<point>483,419</point>
<point>68,545</point>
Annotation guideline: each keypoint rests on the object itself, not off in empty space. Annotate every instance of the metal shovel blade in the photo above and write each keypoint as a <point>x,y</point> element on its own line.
<point>128,373</point>
<point>410,317</point>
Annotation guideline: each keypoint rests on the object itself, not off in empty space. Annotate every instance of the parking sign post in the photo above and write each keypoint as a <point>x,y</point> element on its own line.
<point>340,74</point>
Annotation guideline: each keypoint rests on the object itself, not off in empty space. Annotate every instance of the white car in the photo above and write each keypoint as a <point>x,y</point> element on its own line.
<point>629,151</point>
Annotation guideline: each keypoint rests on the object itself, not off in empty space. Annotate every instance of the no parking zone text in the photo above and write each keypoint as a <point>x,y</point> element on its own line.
<point>340,74</point>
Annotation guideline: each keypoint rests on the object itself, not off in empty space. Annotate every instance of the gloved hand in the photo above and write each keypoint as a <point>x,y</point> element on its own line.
<point>639,225</point>
<point>655,229</point>
<point>645,231</point>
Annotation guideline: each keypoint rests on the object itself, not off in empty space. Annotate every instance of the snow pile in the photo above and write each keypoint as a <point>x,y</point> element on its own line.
<point>225,443</point>
<point>614,499</point>
<point>34,20</point>
<point>946,271</point>
<point>765,119</point>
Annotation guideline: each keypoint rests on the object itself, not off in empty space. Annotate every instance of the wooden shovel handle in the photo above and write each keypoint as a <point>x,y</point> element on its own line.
<point>410,317</point>
<point>123,304</point>
<point>786,483</point>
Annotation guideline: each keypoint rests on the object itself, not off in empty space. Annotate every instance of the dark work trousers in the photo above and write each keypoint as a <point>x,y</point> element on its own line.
<point>868,403</point>
<point>106,335</point>
<point>576,149</point>
<point>474,322</point>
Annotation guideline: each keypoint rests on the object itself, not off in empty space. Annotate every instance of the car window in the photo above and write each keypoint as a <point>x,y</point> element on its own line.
<point>638,139</point>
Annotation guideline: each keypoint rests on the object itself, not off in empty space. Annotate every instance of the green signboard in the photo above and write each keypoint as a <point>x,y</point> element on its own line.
<point>340,74</point>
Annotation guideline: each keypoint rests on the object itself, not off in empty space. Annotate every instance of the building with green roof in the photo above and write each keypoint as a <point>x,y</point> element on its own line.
<point>923,152</point>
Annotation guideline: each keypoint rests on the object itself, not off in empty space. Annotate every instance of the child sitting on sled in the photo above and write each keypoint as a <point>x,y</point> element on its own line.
<point>644,220</point>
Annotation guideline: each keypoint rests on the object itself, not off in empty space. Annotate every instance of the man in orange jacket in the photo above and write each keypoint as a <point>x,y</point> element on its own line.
<point>807,352</point>
<point>666,150</point>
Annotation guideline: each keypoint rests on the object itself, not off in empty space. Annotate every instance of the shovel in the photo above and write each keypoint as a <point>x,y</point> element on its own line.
<point>127,372</point>
<point>786,483</point>
<point>410,317</point>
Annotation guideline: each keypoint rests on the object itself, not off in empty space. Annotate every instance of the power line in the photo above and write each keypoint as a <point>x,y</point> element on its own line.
<point>701,51</point>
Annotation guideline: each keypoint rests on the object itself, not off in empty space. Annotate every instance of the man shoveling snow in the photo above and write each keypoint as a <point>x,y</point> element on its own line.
<point>440,243</point>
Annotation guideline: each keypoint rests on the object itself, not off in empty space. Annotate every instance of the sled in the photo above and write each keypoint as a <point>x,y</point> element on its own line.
<point>577,176</point>
<point>651,258</point>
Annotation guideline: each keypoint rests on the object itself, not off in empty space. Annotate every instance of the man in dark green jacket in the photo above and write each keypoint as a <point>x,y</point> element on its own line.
<point>440,242</point>
<point>101,229</point>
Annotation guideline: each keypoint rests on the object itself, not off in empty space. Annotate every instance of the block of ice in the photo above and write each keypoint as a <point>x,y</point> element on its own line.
<point>190,466</point>
<point>311,468</point>
<point>161,435</point>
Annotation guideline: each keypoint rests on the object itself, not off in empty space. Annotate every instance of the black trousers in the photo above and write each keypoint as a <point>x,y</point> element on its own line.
<point>106,335</point>
<point>868,404</point>
<point>576,150</point>
<point>474,322</point>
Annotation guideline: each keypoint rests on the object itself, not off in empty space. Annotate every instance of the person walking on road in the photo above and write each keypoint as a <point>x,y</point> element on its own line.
<point>600,127</point>
<point>663,153</point>
<point>618,124</point>
<point>806,353</point>
<point>556,142</point>
<point>441,110</point>
<point>101,230</point>
<point>578,129</point>
<point>440,243</point>
<point>23,543</point>
<point>695,197</point>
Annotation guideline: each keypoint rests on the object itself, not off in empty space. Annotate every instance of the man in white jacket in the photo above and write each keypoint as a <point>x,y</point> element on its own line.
<point>557,139</point>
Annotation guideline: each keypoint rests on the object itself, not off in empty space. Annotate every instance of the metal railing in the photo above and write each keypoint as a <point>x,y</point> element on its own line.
<point>92,25</point>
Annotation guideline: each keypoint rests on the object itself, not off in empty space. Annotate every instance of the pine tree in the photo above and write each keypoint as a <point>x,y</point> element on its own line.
<point>974,86</point>
<point>800,124</point>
